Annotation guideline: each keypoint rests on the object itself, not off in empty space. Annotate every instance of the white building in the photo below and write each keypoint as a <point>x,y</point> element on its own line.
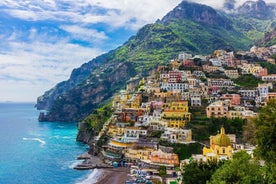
<point>176,135</point>
<point>174,86</point>
<point>195,100</point>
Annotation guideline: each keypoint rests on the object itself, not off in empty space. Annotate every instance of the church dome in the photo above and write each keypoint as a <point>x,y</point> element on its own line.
<point>222,139</point>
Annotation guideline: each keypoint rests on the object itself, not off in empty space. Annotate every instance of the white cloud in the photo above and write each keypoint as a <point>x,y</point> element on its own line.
<point>116,13</point>
<point>84,33</point>
<point>38,66</point>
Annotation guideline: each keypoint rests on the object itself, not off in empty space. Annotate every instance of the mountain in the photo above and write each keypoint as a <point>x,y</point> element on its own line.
<point>268,40</point>
<point>257,9</point>
<point>189,27</point>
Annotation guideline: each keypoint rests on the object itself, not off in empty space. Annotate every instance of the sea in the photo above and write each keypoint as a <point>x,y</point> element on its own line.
<point>33,152</point>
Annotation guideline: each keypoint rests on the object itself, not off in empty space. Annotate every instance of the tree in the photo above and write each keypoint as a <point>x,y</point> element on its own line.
<point>162,172</point>
<point>266,132</point>
<point>248,134</point>
<point>241,169</point>
<point>200,172</point>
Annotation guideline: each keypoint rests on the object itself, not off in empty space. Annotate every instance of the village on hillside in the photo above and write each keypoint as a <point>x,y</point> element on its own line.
<point>159,117</point>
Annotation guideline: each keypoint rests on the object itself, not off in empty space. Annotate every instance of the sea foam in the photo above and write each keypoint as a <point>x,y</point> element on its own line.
<point>75,163</point>
<point>42,142</point>
<point>92,177</point>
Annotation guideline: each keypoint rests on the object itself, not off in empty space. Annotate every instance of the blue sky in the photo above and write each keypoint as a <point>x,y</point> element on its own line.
<point>43,40</point>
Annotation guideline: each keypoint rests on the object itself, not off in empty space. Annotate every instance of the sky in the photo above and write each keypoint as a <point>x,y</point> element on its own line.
<point>42,41</point>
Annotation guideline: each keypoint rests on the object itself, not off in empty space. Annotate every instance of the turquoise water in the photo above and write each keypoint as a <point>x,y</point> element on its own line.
<point>33,152</point>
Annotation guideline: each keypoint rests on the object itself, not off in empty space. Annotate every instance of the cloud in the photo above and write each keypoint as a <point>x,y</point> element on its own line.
<point>115,13</point>
<point>38,66</point>
<point>78,32</point>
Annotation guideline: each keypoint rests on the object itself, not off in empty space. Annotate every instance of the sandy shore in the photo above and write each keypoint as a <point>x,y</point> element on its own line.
<point>113,176</point>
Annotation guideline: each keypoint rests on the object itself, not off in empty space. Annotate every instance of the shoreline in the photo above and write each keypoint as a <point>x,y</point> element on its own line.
<point>113,176</point>
<point>109,174</point>
<point>90,162</point>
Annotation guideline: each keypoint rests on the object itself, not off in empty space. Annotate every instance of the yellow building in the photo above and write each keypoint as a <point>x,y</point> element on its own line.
<point>115,131</point>
<point>117,146</point>
<point>138,154</point>
<point>176,114</point>
<point>220,146</point>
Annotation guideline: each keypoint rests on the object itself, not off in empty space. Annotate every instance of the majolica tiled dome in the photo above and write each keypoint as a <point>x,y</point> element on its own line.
<point>222,139</point>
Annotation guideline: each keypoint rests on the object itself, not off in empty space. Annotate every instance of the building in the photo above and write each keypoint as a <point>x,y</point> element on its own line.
<point>199,74</point>
<point>210,69</point>
<point>269,78</point>
<point>176,135</point>
<point>263,90</point>
<point>195,100</point>
<point>248,94</point>
<point>221,83</point>
<point>181,87</point>
<point>220,146</point>
<point>232,74</point>
<point>132,134</point>
<point>161,158</point>
<point>176,114</point>
<point>118,146</point>
<point>235,99</point>
<point>241,112</point>
<point>183,56</point>
<point>217,109</point>
<point>135,155</point>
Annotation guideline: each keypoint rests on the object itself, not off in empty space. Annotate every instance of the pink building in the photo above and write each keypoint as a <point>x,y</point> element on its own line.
<point>263,72</point>
<point>235,99</point>
<point>175,76</point>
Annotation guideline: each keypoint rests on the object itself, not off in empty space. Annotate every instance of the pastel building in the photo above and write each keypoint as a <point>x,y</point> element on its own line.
<point>176,135</point>
<point>220,146</point>
<point>235,99</point>
<point>233,74</point>
<point>161,158</point>
<point>132,134</point>
<point>133,154</point>
<point>118,146</point>
<point>176,114</point>
<point>217,109</point>
<point>269,78</point>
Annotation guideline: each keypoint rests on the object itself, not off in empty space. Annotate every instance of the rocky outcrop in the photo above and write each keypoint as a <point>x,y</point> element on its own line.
<point>257,9</point>
<point>268,40</point>
<point>197,13</point>
<point>85,135</point>
<point>45,101</point>
<point>82,100</point>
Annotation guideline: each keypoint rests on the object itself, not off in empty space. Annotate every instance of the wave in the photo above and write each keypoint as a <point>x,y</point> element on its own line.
<point>42,142</point>
<point>75,163</point>
<point>92,178</point>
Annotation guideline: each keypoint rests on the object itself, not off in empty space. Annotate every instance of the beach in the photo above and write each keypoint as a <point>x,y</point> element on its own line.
<point>113,176</point>
<point>108,174</point>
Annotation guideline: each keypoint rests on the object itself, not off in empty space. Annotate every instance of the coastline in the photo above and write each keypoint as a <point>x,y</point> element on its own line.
<point>107,173</point>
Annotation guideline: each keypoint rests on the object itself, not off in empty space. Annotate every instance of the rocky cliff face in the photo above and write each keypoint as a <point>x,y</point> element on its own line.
<point>257,9</point>
<point>45,101</point>
<point>268,40</point>
<point>85,135</point>
<point>82,100</point>
<point>197,13</point>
